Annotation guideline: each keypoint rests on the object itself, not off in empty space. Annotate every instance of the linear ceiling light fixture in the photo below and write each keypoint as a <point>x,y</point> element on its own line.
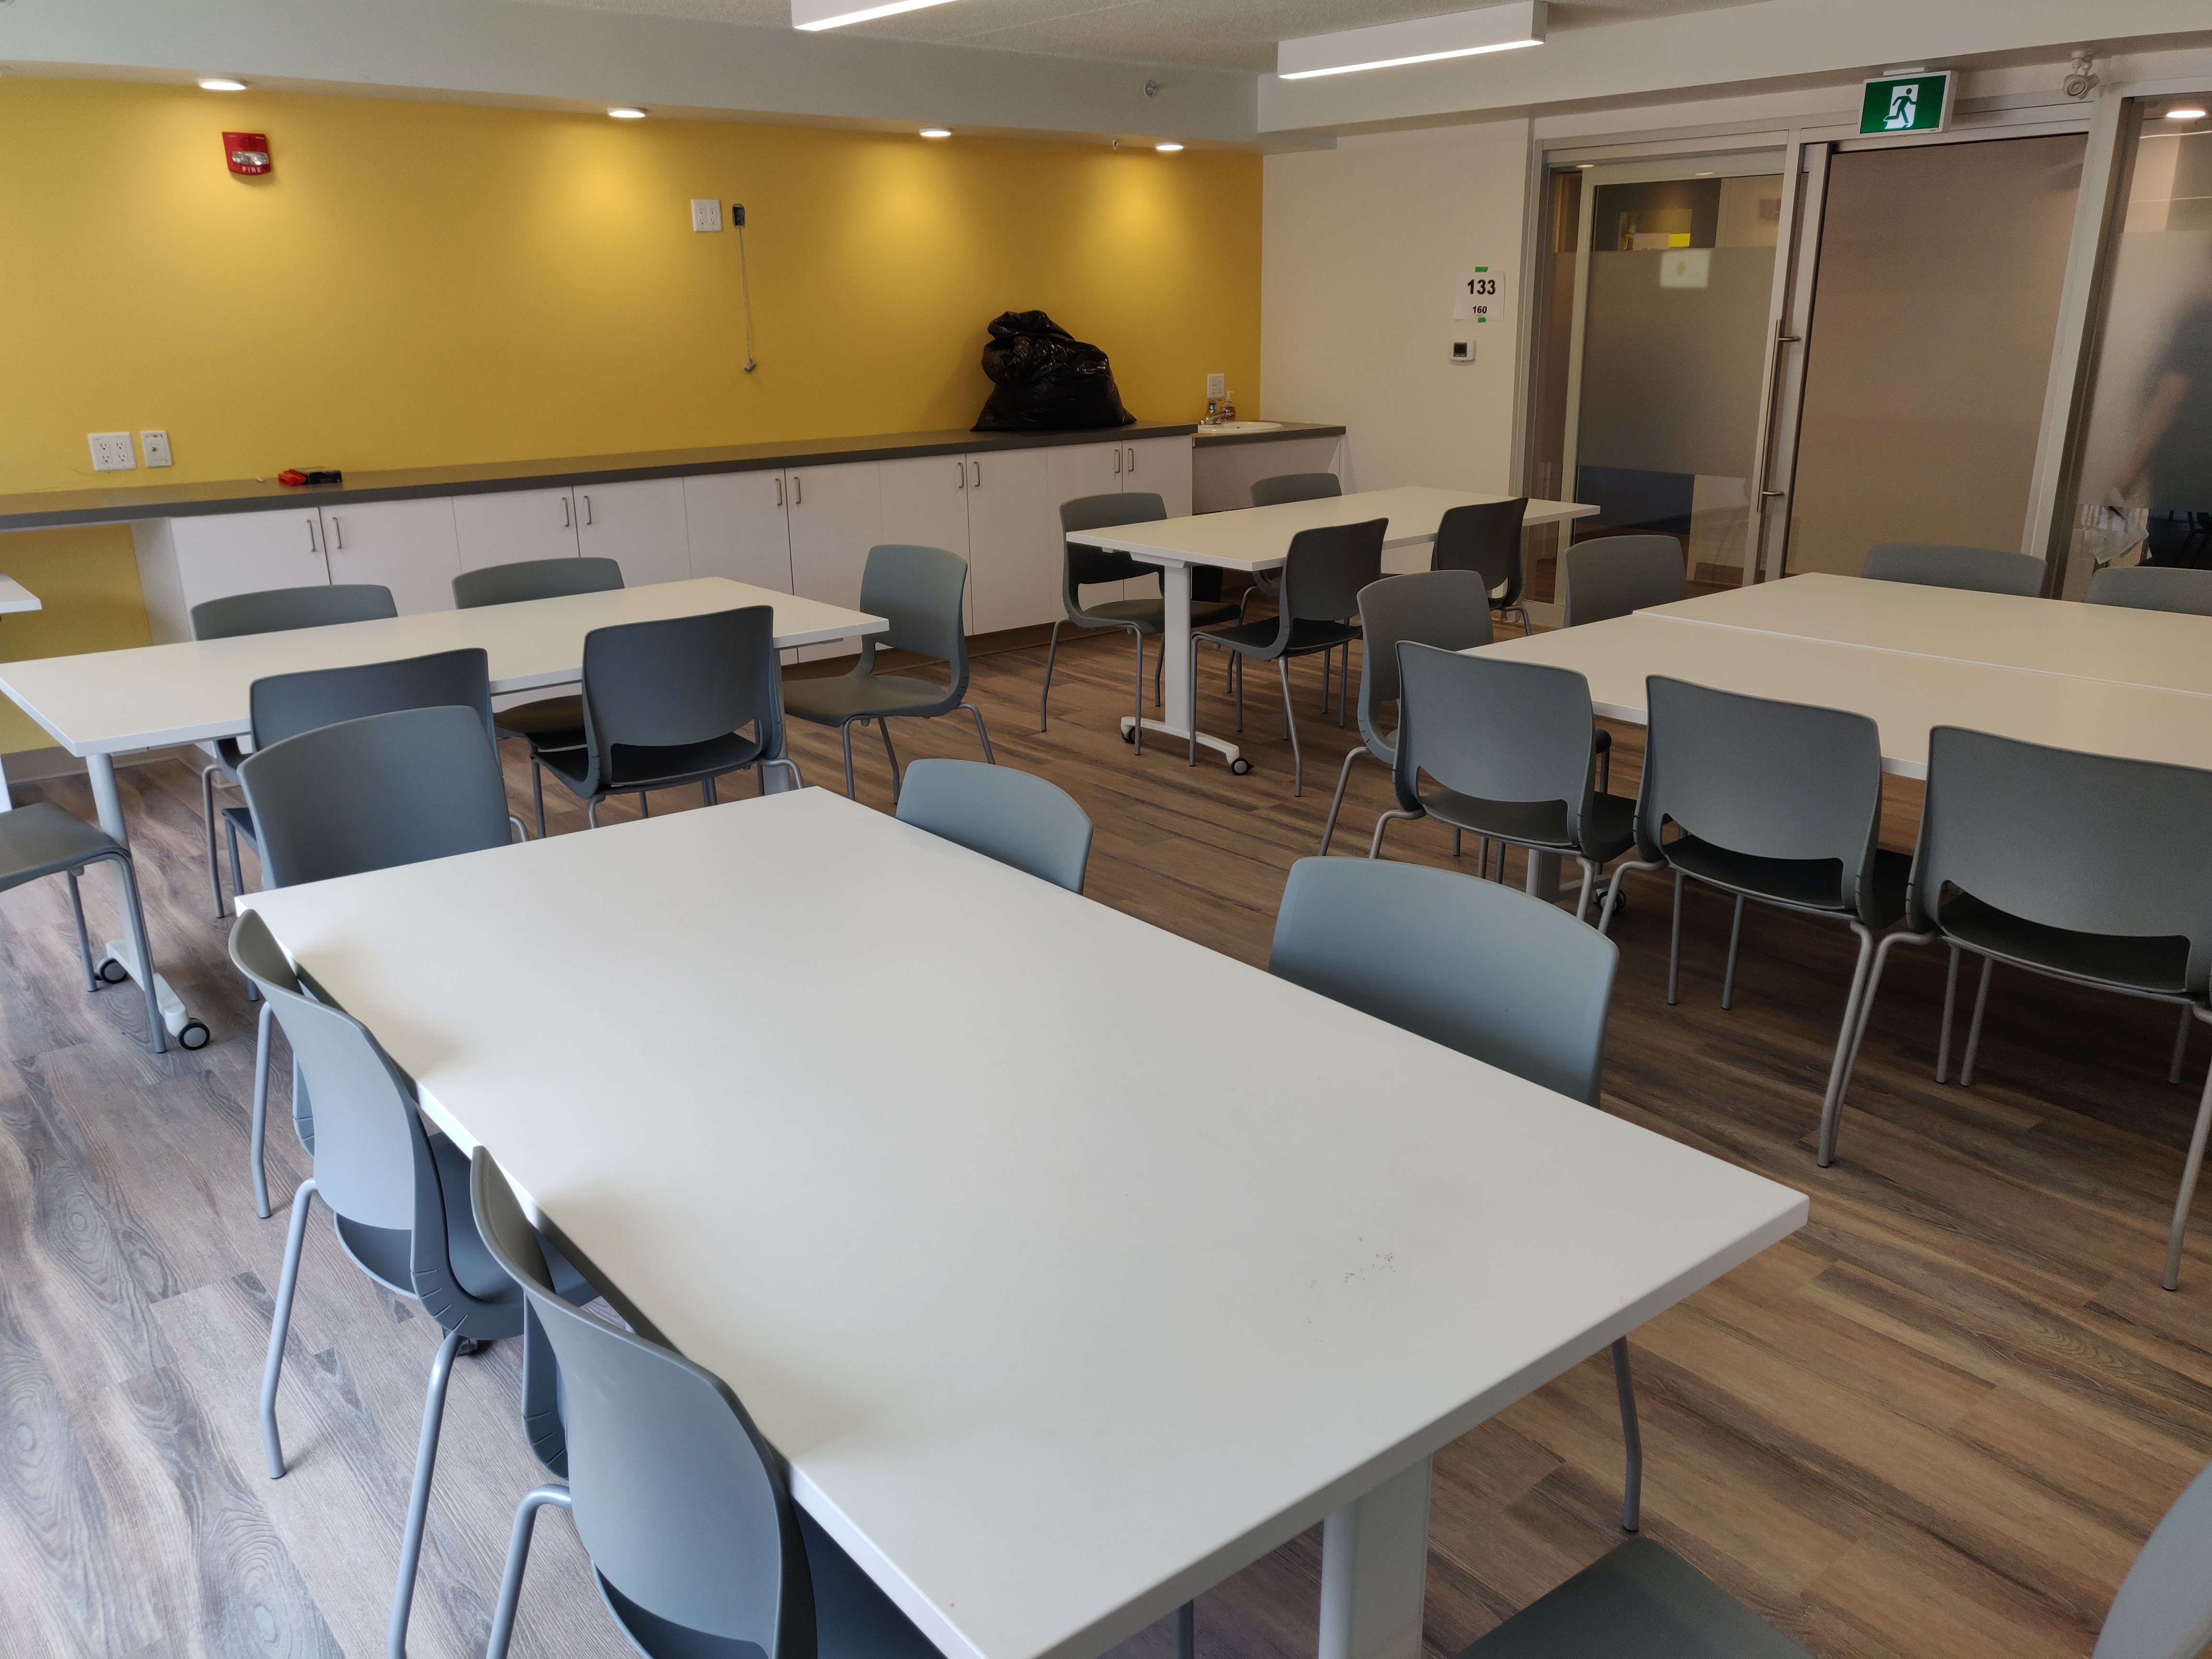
<point>1416,40</point>
<point>2179,112</point>
<point>812,14</point>
<point>221,83</point>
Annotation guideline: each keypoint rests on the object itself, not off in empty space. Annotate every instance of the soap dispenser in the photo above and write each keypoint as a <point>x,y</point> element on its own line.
<point>1229,408</point>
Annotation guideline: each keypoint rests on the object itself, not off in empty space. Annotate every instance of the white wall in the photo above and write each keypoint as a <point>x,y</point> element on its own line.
<point>1358,251</point>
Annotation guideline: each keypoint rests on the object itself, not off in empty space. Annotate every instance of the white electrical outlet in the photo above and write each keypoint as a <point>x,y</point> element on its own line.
<point>1217,386</point>
<point>111,451</point>
<point>705,215</point>
<point>156,445</point>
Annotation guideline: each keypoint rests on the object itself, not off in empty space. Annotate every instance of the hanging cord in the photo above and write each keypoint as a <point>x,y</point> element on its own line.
<point>745,288</point>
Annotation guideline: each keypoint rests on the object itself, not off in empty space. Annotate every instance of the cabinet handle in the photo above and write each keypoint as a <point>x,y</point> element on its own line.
<point>312,546</point>
<point>1117,460</point>
<point>1132,459</point>
<point>960,475</point>
<point>779,491</point>
<point>337,533</point>
<point>567,517</point>
<point>798,490</point>
<point>588,510</point>
<point>978,466</point>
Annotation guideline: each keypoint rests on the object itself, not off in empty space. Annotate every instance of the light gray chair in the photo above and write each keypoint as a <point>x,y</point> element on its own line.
<point>1776,802</point>
<point>1016,818</point>
<point>1610,576</point>
<point>1285,487</point>
<point>1448,609</point>
<point>1934,564</point>
<point>272,610</point>
<point>696,1546</point>
<point>359,795</point>
<point>918,590</point>
<point>1511,750</point>
<point>671,702</point>
<point>399,1196</point>
<point>2071,865</point>
<point>2155,588</point>
<point>545,722</point>
<point>1085,566</point>
<point>1485,538</point>
<point>1475,967</point>
<point>38,839</point>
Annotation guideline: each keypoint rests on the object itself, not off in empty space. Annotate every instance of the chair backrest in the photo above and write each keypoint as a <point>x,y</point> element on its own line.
<point>1448,609</point>
<point>1469,963</point>
<point>2090,842</point>
<point>1933,564</point>
<point>534,579</point>
<point>918,591</point>
<point>1087,564</point>
<point>1496,730</point>
<point>1295,487</point>
<point>1609,576</point>
<point>274,609</point>
<point>2164,1610</point>
<point>1772,779</point>
<point>370,794</point>
<point>2155,588</point>
<point>1016,818</point>
<point>1486,539</point>
<point>680,1503</point>
<point>284,705</point>
<point>679,680</point>
<point>1326,569</point>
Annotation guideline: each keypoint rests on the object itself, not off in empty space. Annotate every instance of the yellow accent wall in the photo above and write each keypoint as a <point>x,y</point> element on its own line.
<point>420,284</point>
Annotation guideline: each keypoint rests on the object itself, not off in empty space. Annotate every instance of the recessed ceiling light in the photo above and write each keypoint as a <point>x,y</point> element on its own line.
<point>937,133</point>
<point>221,84</point>
<point>1584,166</point>
<point>811,15</point>
<point>625,112</point>
<point>2179,112</point>
<point>1418,40</point>
<point>1167,149</point>
<point>1705,175</point>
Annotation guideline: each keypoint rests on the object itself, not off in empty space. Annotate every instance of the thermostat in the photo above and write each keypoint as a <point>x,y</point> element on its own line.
<point>1462,351</point>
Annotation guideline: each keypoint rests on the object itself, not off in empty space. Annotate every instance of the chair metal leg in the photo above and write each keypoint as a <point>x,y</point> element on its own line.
<point>237,880</point>
<point>1327,658</point>
<point>1847,1043</point>
<point>706,791</point>
<point>1375,847</point>
<point>1632,1440</point>
<point>883,731</point>
<point>418,1499</point>
<point>258,1138</point>
<point>1291,726</point>
<point>84,938</point>
<point>134,918</point>
<point>2180,1044</point>
<point>1974,1025</point>
<point>644,807</point>
<point>1456,833</point>
<point>786,763</point>
<point>280,1326</point>
<point>1193,697</point>
<point>592,813</point>
<point>1344,686</point>
<point>1674,944</point>
<point>1044,700</point>
<point>1159,672</point>
<point>1735,938</point>
<point>1343,777</point>
<point>2172,1279</point>
<point>517,1558</point>
<point>537,793</point>
<point>1136,732</point>
<point>215,860</point>
<point>983,736</point>
<point>1950,1001</point>
<point>516,825</point>
<point>1611,890</point>
<point>1239,656</point>
<point>1187,1631</point>
<point>847,730</point>
<point>1589,880</point>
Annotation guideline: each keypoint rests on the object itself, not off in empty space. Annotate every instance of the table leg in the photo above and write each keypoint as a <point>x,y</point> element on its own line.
<point>1374,1571</point>
<point>109,804</point>
<point>1179,692</point>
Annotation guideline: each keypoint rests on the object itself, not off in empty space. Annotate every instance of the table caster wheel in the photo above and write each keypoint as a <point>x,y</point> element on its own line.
<point>1129,735</point>
<point>1240,766</point>
<point>194,1036</point>
<point>111,972</point>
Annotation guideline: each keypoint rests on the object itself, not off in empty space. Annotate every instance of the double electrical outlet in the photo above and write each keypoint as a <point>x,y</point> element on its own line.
<point>111,451</point>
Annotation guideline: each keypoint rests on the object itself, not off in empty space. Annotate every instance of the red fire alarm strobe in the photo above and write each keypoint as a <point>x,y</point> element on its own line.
<point>246,152</point>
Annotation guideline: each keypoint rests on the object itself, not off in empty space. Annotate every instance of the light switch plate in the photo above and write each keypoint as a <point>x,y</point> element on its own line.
<point>112,452</point>
<point>1217,386</point>
<point>156,445</point>
<point>706,214</point>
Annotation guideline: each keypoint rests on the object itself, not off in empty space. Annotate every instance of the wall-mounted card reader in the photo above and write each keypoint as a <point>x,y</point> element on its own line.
<point>1462,351</point>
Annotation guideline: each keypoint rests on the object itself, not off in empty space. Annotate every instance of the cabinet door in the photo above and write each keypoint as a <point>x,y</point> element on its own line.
<point>1163,466</point>
<point>836,515</point>
<point>640,526</point>
<point>926,505</point>
<point>406,546</point>
<point>738,527</point>
<point>507,527</point>
<point>226,553</point>
<point>1014,547</point>
<point>1079,470</point>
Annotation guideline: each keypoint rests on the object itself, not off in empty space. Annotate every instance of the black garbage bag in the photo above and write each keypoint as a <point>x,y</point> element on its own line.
<point>1045,380</point>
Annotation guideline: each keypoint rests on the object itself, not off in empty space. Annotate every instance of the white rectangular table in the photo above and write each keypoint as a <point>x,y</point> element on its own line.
<point>105,703</point>
<point>1256,538</point>
<point>1051,1344</point>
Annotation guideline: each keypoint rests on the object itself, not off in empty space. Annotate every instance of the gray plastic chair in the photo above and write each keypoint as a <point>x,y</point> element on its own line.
<point>1933,564</point>
<point>1085,566</point>
<point>1448,609</point>
<point>272,610</point>
<point>2077,866</point>
<point>1476,967</point>
<point>38,840</point>
<point>1016,818</point>
<point>918,590</point>
<point>398,1192</point>
<point>1485,538</point>
<point>1327,568</point>
<point>696,1545</point>
<point>2155,588</point>
<point>1275,492</point>
<point>1776,802</point>
<point>1610,576</point>
<point>359,795</point>
<point>1512,749</point>
<point>666,703</point>
<point>546,722</point>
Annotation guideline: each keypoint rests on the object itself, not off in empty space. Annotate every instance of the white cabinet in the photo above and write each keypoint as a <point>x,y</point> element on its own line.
<point>406,546</point>
<point>926,505</point>
<point>640,526</point>
<point>737,529</point>
<point>506,526</point>
<point>1076,470</point>
<point>1160,466</point>
<point>1014,545</point>
<point>183,563</point>
<point>836,514</point>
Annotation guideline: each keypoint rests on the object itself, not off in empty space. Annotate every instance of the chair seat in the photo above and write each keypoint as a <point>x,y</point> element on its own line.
<point>545,719</point>
<point>863,697</point>
<point>1149,616</point>
<point>2158,965</point>
<point>1258,639</point>
<point>386,1254</point>
<point>1808,883</point>
<point>636,765</point>
<point>1640,1601</point>
<point>41,840</point>
<point>1607,832</point>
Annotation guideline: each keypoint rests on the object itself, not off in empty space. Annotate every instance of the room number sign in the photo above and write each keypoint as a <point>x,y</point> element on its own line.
<point>1477,293</point>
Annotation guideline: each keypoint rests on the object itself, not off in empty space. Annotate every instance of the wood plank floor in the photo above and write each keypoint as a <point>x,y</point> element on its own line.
<point>1938,1421</point>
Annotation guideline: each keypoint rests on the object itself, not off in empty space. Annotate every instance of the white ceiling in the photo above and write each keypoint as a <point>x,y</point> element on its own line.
<point>1206,34</point>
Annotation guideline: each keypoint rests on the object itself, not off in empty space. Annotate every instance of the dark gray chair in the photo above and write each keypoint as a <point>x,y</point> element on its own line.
<point>1448,609</point>
<point>1016,818</point>
<point>2155,588</point>
<point>1276,492</point>
<point>1085,566</point>
<point>545,722</point>
<point>1486,539</point>
<point>1933,564</point>
<point>41,839</point>
<point>666,704</point>
<point>399,1196</point>
<point>2028,856</point>
<point>1776,802</point>
<point>1322,578</point>
<point>696,1545</point>
<point>273,611</point>
<point>1511,748</point>
<point>1475,967</point>
<point>918,590</point>
<point>1610,576</point>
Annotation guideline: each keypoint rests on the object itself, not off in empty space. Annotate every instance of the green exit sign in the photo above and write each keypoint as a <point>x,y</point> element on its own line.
<point>1906,103</point>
